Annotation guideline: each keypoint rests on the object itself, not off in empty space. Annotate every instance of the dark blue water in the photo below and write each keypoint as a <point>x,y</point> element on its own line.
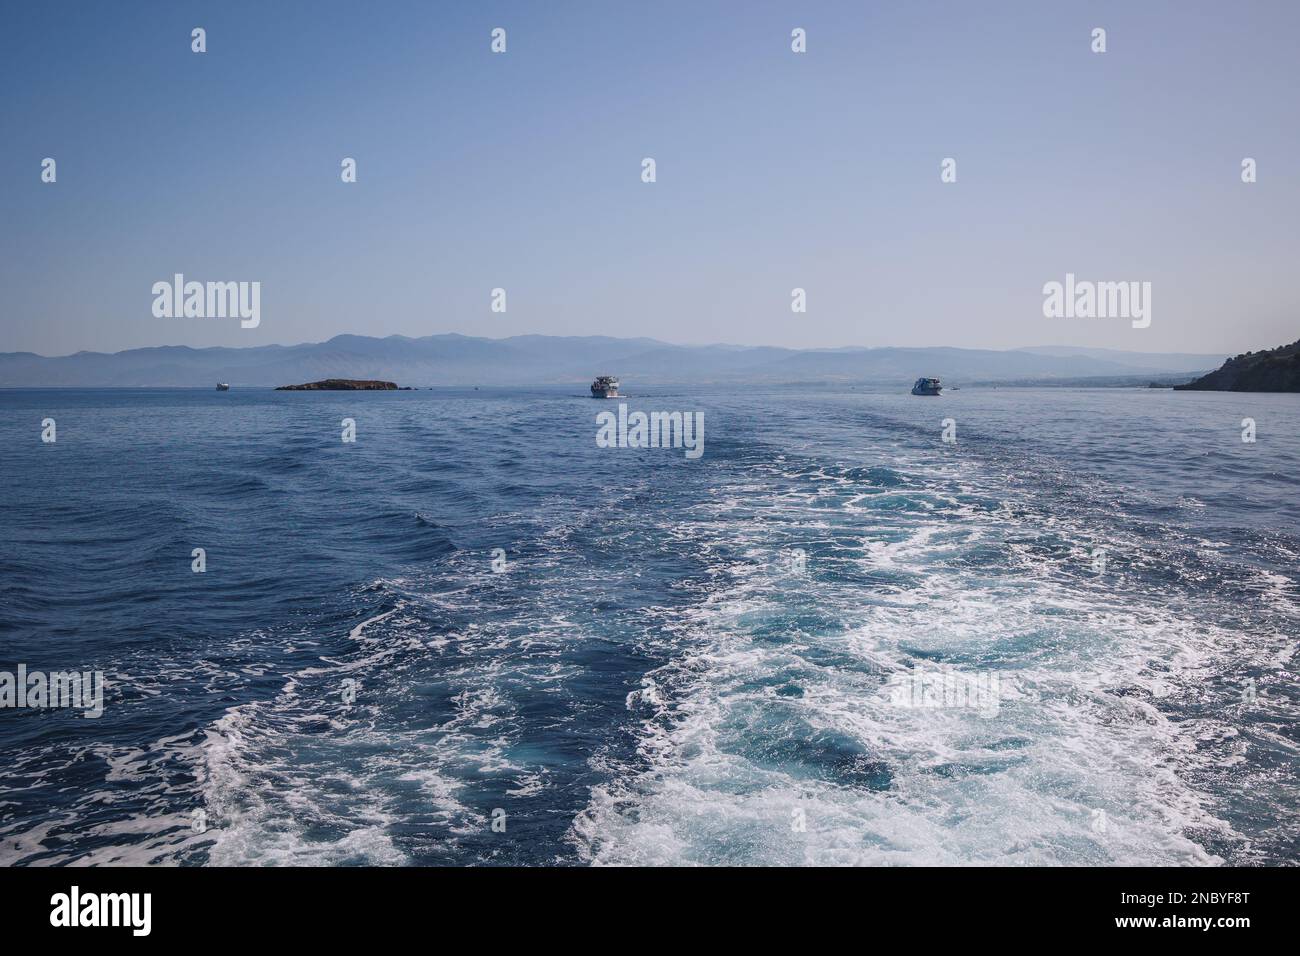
<point>651,678</point>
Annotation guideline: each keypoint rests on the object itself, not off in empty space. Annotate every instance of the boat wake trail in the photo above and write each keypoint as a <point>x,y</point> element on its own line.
<point>1124,730</point>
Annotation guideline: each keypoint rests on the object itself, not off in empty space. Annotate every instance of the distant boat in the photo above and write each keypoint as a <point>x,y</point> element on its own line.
<point>927,386</point>
<point>606,386</point>
<point>223,386</point>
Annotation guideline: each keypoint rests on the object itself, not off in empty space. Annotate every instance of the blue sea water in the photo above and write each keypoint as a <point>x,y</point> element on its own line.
<point>651,678</point>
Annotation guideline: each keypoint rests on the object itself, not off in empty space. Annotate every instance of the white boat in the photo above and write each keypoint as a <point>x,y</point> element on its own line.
<point>223,386</point>
<point>927,386</point>
<point>606,386</point>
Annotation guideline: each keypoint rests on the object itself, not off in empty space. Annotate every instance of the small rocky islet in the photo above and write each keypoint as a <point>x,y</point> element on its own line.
<point>344,385</point>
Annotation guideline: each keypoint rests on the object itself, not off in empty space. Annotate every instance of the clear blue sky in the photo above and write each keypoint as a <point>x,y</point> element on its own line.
<point>775,170</point>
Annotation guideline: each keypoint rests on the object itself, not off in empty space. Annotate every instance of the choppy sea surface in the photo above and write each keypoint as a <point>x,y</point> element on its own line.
<point>680,661</point>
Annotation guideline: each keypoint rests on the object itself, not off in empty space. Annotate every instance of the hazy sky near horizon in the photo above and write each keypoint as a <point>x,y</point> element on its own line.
<point>775,170</point>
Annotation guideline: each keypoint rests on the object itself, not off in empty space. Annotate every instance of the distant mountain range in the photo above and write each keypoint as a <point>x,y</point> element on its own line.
<point>541,360</point>
<point>1274,370</point>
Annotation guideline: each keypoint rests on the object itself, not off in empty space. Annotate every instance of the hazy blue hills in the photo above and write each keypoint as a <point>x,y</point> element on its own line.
<point>541,360</point>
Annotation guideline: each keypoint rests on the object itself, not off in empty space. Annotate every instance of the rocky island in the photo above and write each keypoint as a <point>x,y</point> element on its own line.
<point>344,385</point>
<point>1275,370</point>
